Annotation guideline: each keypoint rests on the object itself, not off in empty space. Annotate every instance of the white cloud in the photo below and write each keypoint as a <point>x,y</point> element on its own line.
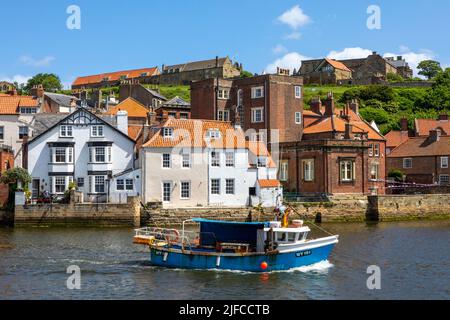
<point>414,58</point>
<point>30,61</point>
<point>293,36</point>
<point>278,49</point>
<point>291,61</point>
<point>350,53</point>
<point>294,17</point>
<point>16,78</point>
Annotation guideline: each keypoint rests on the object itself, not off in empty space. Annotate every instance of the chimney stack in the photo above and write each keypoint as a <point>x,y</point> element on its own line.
<point>316,105</point>
<point>151,118</point>
<point>435,135</point>
<point>217,61</point>
<point>122,121</point>
<point>404,124</point>
<point>354,105</point>
<point>348,131</point>
<point>40,91</point>
<point>329,105</point>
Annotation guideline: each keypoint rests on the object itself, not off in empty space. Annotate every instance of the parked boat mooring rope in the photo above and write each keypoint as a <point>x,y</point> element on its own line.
<point>311,223</point>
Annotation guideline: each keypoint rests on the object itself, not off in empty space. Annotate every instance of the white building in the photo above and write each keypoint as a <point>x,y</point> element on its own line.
<point>200,163</point>
<point>85,149</point>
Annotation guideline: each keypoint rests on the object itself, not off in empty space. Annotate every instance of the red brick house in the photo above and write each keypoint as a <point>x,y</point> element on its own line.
<point>6,162</point>
<point>338,153</point>
<point>423,159</point>
<point>261,103</point>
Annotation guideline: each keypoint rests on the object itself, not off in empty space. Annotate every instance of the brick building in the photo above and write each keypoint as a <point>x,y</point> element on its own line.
<point>262,103</point>
<point>6,162</point>
<point>371,70</point>
<point>339,153</point>
<point>423,159</point>
<point>175,108</point>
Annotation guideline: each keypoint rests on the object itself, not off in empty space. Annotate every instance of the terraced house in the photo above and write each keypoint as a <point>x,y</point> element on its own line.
<point>206,163</point>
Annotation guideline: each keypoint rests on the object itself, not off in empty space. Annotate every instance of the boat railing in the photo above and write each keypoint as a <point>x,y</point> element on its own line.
<point>171,237</point>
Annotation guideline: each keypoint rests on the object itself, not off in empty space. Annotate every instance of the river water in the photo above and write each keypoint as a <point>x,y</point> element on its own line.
<point>413,258</point>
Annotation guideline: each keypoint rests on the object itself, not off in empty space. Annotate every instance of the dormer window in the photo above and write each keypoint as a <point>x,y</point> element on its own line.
<point>123,77</point>
<point>106,79</point>
<point>213,134</point>
<point>262,162</point>
<point>167,132</point>
<point>144,74</point>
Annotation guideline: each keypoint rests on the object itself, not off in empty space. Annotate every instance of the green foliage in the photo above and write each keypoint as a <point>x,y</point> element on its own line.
<point>394,77</point>
<point>378,115</point>
<point>246,74</point>
<point>396,174</point>
<point>184,92</point>
<point>11,176</point>
<point>429,68</point>
<point>49,81</point>
<point>73,186</point>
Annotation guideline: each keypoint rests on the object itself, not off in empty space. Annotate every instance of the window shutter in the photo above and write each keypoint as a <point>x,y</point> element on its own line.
<point>90,155</point>
<point>51,184</point>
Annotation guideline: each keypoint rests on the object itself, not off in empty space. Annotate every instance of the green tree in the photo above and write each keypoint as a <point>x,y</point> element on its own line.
<point>246,74</point>
<point>439,95</point>
<point>394,77</point>
<point>429,68</point>
<point>49,81</point>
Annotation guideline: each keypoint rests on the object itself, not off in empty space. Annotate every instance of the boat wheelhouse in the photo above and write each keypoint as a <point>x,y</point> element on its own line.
<point>242,246</point>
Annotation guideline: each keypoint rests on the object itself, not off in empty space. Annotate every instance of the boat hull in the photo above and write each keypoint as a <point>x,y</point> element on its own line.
<point>282,261</point>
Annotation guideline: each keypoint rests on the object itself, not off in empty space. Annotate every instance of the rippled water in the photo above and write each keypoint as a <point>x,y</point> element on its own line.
<point>413,257</point>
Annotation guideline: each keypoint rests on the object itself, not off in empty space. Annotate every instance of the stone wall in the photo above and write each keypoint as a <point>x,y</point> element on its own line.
<point>412,207</point>
<point>101,214</point>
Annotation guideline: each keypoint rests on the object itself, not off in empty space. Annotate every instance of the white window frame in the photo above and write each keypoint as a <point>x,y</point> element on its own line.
<point>223,115</point>
<point>377,171</point>
<point>444,162</point>
<point>215,159</point>
<point>255,111</point>
<point>26,131</point>
<point>122,185</point>
<point>64,131</point>
<point>228,187</point>
<point>216,187</point>
<point>298,92</point>
<point>213,134</point>
<point>97,131</point>
<point>165,160</point>
<point>347,171</point>
<point>223,94</point>
<point>298,118</point>
<point>186,160</point>
<point>255,90</point>
<point>2,132</point>
<point>184,183</point>
<point>262,162</point>
<point>405,161</point>
<point>376,150</point>
<point>308,170</point>
<point>163,190</point>
<point>55,180</point>
<point>167,132</point>
<point>97,184</point>
<point>230,159</point>
<point>127,184</point>
<point>284,171</point>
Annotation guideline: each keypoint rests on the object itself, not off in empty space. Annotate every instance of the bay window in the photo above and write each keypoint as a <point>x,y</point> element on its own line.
<point>100,155</point>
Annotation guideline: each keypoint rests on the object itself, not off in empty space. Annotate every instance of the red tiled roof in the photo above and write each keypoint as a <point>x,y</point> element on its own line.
<point>269,183</point>
<point>337,64</point>
<point>134,108</point>
<point>424,126</point>
<point>134,131</point>
<point>422,147</point>
<point>10,104</point>
<point>395,138</point>
<point>259,149</point>
<point>192,133</point>
<point>114,76</point>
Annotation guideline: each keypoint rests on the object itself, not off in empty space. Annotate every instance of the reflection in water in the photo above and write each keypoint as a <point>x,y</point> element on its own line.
<point>412,257</point>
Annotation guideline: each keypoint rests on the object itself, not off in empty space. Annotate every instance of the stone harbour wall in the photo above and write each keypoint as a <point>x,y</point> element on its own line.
<point>102,214</point>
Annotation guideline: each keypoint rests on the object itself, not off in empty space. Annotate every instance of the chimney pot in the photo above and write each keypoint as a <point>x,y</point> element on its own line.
<point>348,131</point>
<point>316,105</point>
<point>329,105</point>
<point>122,121</point>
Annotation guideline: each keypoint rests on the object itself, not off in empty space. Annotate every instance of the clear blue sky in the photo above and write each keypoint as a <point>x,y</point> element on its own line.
<point>129,34</point>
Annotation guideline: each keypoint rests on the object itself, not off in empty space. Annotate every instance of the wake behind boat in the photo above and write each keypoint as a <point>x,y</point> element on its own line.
<point>240,246</point>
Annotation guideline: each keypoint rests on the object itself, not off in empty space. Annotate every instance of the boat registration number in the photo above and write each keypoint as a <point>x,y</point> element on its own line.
<point>304,253</point>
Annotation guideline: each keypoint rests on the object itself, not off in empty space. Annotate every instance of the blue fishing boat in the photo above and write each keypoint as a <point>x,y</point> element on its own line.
<point>238,246</point>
